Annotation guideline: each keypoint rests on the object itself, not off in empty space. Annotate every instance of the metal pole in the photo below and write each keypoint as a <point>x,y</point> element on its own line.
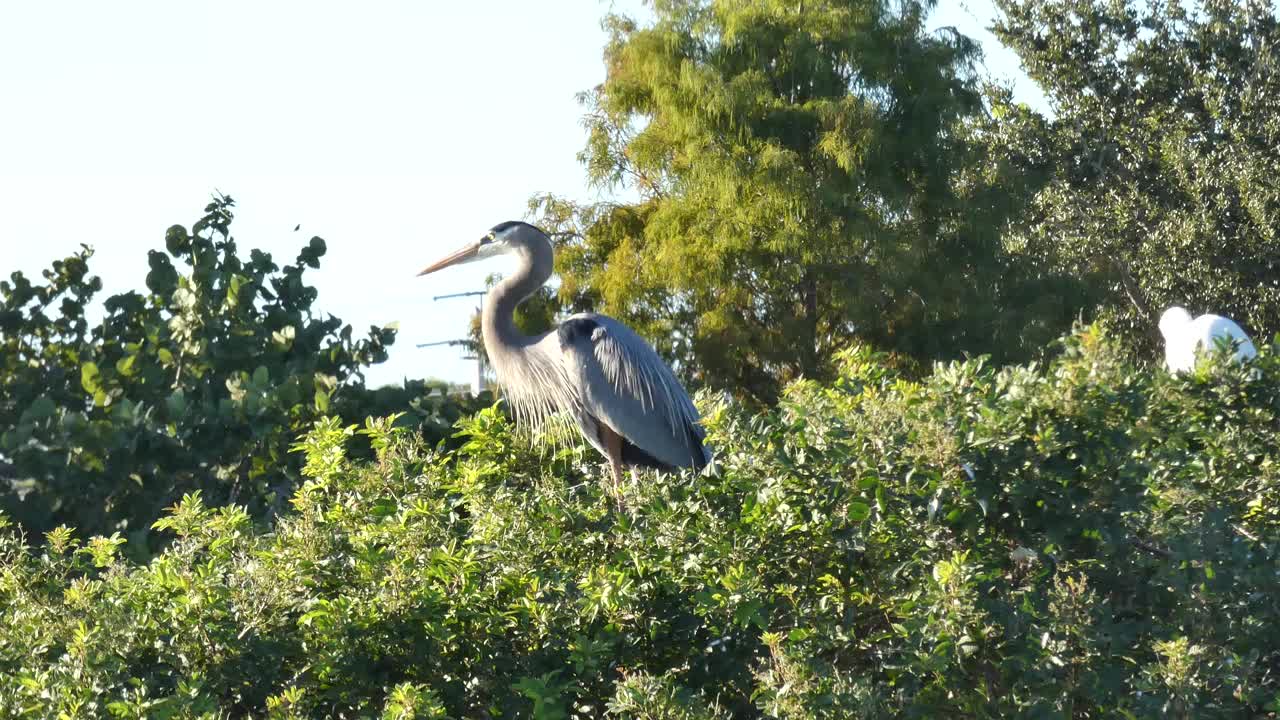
<point>461,294</point>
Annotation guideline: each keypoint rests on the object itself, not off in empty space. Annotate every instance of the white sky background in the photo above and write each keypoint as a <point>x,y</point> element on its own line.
<point>397,131</point>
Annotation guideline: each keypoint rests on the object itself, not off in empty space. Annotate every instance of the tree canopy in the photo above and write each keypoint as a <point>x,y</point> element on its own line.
<point>803,174</point>
<point>1164,153</point>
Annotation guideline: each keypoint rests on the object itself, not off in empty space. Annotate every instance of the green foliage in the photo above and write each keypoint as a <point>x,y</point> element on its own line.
<point>1163,153</point>
<point>198,383</point>
<point>1081,539</point>
<point>422,406</point>
<point>805,172</point>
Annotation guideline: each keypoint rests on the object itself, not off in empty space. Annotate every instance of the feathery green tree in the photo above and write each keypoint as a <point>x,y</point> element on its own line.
<point>801,174</point>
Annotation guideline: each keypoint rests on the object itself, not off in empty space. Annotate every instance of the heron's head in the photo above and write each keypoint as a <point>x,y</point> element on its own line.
<point>1172,319</point>
<point>502,238</point>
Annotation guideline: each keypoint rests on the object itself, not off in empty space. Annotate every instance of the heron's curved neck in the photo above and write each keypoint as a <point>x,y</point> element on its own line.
<point>497,322</point>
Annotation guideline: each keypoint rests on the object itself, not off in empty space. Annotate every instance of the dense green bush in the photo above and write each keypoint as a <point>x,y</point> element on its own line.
<point>199,383</point>
<point>422,406</point>
<point>1085,539</point>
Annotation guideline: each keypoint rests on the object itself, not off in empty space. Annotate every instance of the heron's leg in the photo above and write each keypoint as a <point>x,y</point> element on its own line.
<point>613,443</point>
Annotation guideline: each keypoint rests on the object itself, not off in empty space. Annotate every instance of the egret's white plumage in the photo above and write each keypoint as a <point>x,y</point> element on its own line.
<point>1185,335</point>
<point>625,400</point>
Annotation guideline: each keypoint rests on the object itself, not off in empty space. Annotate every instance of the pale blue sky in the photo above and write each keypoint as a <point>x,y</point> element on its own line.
<point>394,130</point>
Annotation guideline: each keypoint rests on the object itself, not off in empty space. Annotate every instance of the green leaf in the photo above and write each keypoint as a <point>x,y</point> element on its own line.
<point>234,287</point>
<point>322,401</point>
<point>176,240</point>
<point>176,403</point>
<point>309,618</point>
<point>284,337</point>
<point>40,409</point>
<point>163,279</point>
<point>89,377</point>
<point>310,255</point>
<point>859,511</point>
<point>124,365</point>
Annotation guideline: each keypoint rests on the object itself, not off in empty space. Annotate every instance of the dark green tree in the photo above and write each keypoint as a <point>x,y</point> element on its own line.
<point>1164,152</point>
<point>200,383</point>
<point>802,174</point>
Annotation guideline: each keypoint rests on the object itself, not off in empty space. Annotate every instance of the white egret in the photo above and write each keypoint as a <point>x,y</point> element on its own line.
<point>1185,335</point>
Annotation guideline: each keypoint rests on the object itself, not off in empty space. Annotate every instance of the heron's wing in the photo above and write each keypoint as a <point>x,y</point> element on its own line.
<point>621,381</point>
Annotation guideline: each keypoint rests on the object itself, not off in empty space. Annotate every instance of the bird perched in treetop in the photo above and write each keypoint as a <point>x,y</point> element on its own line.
<point>592,368</point>
<point>1184,335</point>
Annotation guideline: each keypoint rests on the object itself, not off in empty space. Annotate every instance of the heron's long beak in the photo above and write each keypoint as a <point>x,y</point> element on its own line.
<point>462,255</point>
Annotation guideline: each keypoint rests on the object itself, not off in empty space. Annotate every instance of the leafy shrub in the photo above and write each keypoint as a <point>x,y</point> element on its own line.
<point>424,407</point>
<point>199,383</point>
<point>1083,539</point>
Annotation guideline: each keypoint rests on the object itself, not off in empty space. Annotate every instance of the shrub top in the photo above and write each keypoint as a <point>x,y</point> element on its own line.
<point>1087,538</point>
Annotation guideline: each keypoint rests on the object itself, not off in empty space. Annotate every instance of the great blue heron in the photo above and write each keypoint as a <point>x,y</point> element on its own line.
<point>624,398</point>
<point>1183,335</point>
